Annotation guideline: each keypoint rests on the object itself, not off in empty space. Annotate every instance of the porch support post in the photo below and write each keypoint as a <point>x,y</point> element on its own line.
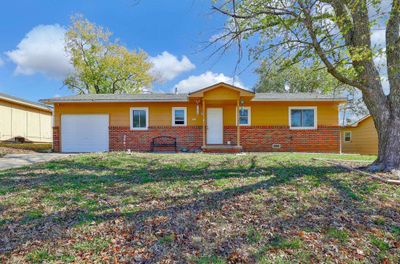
<point>238,122</point>
<point>204,122</point>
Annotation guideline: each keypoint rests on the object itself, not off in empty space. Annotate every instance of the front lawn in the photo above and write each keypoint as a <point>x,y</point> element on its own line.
<point>197,208</point>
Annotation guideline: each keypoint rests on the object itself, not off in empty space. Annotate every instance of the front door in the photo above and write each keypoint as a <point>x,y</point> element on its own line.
<point>214,126</point>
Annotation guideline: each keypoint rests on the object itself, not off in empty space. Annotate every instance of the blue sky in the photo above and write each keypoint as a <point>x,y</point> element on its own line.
<point>172,32</point>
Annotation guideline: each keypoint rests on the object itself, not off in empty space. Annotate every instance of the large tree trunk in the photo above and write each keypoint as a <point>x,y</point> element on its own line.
<point>389,143</point>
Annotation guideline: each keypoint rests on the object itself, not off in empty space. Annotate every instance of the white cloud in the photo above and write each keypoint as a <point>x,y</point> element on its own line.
<point>42,51</point>
<point>167,66</point>
<point>1,62</point>
<point>208,78</point>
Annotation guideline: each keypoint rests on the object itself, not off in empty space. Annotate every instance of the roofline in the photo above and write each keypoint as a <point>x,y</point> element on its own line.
<point>24,102</point>
<point>357,123</point>
<point>220,83</point>
<point>299,100</point>
<point>53,101</point>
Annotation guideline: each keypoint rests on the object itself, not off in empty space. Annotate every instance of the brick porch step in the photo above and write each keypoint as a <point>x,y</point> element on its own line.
<point>221,149</point>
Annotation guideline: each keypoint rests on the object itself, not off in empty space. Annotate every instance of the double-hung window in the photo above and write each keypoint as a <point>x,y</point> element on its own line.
<point>179,116</point>
<point>139,118</point>
<point>303,117</point>
<point>347,136</point>
<point>244,116</point>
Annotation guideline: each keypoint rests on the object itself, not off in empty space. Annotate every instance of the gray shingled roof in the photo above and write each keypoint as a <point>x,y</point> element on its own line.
<point>296,96</point>
<point>161,97</point>
<point>24,102</point>
<point>155,97</point>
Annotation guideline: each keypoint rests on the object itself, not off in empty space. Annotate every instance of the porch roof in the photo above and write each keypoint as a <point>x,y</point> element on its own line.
<point>240,91</point>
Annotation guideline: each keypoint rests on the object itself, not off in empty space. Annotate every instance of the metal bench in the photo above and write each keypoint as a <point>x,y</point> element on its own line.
<point>163,141</point>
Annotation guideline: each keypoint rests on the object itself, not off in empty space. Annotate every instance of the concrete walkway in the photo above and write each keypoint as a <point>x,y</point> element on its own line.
<point>19,160</point>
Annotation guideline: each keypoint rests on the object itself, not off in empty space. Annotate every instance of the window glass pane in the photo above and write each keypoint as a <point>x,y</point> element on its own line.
<point>136,118</point>
<point>179,117</point>
<point>179,114</point>
<point>243,116</point>
<point>347,136</point>
<point>139,118</point>
<point>244,120</point>
<point>142,118</point>
<point>308,118</point>
<point>244,112</point>
<point>296,118</point>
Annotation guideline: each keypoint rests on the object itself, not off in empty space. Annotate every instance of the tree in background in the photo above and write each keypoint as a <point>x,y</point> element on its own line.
<point>300,79</point>
<point>337,34</point>
<point>297,79</point>
<point>103,66</point>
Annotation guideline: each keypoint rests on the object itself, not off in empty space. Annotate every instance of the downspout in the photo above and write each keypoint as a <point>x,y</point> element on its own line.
<point>340,138</point>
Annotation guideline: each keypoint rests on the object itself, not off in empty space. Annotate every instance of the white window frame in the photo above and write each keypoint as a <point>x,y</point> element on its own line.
<point>146,109</point>
<point>185,116</point>
<point>238,113</point>
<point>344,136</point>
<point>303,108</point>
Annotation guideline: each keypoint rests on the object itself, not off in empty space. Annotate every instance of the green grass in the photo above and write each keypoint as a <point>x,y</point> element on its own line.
<point>253,235</point>
<point>278,242</point>
<point>379,243</point>
<point>341,235</point>
<point>167,239</point>
<point>32,215</point>
<point>396,231</point>
<point>39,256</point>
<point>209,260</point>
<point>196,208</point>
<point>96,245</point>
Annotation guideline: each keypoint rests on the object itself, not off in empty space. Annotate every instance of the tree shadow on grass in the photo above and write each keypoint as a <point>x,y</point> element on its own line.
<point>71,174</point>
<point>346,215</point>
<point>182,211</point>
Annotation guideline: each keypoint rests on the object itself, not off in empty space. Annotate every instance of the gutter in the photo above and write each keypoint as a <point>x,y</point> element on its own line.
<point>298,100</point>
<point>26,104</point>
<point>50,101</point>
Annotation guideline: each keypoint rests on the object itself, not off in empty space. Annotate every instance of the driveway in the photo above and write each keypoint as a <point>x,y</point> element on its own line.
<point>19,160</point>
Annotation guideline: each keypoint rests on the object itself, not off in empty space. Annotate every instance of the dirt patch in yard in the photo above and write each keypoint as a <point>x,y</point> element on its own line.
<point>5,150</point>
<point>23,148</point>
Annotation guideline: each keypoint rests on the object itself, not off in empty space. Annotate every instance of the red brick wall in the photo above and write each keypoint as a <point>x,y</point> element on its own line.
<point>56,139</point>
<point>254,138</point>
<point>261,138</point>
<point>122,138</point>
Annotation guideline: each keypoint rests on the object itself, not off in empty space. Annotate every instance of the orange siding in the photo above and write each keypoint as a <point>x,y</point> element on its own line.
<point>277,113</point>
<point>160,114</point>
<point>364,138</point>
<point>221,94</point>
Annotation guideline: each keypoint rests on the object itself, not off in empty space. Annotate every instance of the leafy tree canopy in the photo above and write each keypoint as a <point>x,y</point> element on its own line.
<point>102,65</point>
<point>336,34</point>
<point>300,79</point>
<point>296,79</point>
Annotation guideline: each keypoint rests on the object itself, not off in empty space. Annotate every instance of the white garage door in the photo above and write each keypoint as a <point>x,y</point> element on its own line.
<point>84,133</point>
